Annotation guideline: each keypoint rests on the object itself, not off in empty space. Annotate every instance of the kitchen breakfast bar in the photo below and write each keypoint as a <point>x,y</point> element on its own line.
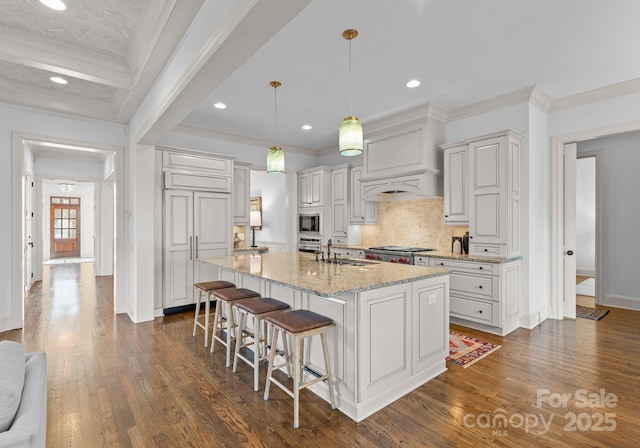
<point>392,321</point>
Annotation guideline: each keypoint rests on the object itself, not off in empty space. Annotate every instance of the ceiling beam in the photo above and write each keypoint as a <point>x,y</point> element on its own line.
<point>247,28</point>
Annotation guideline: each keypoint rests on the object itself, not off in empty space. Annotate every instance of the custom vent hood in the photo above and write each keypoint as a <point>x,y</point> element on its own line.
<point>402,159</point>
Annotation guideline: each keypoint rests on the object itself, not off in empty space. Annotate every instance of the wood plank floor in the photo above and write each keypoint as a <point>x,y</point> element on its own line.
<point>112,383</point>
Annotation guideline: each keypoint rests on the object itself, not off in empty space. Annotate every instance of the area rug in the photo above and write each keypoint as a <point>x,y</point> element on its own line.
<point>590,313</point>
<point>465,350</point>
<point>587,287</point>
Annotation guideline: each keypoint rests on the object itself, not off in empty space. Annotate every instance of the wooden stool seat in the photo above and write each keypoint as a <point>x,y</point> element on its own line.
<point>259,309</point>
<point>299,324</point>
<point>207,288</point>
<point>223,319</point>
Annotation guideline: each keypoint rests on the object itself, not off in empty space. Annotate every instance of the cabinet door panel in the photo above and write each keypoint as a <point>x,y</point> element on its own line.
<point>212,228</point>
<point>178,248</point>
<point>455,188</point>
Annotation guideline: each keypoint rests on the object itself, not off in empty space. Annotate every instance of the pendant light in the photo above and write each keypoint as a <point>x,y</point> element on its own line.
<point>350,142</point>
<point>275,155</point>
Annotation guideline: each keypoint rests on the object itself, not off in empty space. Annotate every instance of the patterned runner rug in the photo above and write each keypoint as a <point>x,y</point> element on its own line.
<point>590,313</point>
<point>465,350</point>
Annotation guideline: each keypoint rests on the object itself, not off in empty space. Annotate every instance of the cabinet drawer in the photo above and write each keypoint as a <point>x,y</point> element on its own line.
<point>464,266</point>
<point>493,250</point>
<point>485,287</point>
<point>339,240</point>
<point>475,310</point>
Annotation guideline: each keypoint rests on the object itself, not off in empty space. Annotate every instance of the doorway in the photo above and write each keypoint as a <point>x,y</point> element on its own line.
<point>65,155</point>
<point>586,224</point>
<point>64,227</point>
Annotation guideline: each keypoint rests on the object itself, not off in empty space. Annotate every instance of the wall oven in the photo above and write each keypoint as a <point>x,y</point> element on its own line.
<point>309,223</point>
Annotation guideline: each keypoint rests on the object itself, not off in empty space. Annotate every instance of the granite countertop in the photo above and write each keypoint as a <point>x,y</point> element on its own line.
<point>466,257</point>
<point>299,270</point>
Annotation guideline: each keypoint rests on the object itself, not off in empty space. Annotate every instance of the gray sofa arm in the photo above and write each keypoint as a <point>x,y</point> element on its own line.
<point>29,428</point>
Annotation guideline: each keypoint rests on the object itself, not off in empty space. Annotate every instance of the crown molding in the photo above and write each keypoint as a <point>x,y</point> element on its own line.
<point>596,95</point>
<point>235,138</point>
<point>532,94</point>
<point>407,117</point>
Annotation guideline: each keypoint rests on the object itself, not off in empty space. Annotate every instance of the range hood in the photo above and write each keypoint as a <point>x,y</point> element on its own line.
<point>415,185</point>
<point>402,159</point>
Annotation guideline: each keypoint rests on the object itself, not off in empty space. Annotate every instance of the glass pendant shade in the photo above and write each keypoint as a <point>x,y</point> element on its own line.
<point>275,160</point>
<point>351,141</point>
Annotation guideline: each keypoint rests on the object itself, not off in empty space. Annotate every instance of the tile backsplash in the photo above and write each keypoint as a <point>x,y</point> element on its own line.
<point>417,222</point>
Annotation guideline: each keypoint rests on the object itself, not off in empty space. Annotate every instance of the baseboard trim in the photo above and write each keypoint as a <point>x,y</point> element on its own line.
<point>629,303</point>
<point>532,320</point>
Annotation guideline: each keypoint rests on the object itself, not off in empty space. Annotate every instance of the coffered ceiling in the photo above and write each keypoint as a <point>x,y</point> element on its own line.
<point>462,51</point>
<point>109,51</point>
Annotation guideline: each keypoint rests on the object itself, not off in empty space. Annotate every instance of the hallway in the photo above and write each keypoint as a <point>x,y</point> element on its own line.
<point>112,383</point>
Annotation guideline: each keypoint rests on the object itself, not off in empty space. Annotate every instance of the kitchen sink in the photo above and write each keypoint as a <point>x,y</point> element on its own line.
<point>351,262</point>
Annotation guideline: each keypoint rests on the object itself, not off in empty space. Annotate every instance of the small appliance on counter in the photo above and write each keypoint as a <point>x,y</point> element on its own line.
<point>456,244</point>
<point>465,243</point>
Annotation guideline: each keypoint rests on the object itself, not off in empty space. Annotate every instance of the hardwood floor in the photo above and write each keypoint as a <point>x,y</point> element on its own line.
<point>112,383</point>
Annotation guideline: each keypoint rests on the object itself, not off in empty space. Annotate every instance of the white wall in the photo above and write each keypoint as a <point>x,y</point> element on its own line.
<point>621,216</point>
<point>272,189</point>
<point>586,216</point>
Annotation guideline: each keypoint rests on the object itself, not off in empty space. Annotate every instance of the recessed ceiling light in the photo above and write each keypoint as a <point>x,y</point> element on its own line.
<point>58,5</point>
<point>220,106</point>
<point>413,83</point>
<point>306,127</point>
<point>58,80</point>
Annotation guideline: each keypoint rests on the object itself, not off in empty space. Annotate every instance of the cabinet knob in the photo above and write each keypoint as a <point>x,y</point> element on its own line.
<point>480,287</point>
<point>480,311</point>
<point>480,268</point>
<point>446,216</point>
<point>486,250</point>
<point>441,264</point>
<point>470,236</point>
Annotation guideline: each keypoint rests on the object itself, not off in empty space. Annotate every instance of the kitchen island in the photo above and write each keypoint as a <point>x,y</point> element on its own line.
<point>392,321</point>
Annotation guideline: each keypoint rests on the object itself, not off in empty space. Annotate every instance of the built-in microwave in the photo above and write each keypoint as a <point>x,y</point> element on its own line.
<point>309,223</point>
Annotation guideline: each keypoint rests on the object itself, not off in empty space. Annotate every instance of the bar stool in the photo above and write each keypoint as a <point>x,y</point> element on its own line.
<point>259,309</point>
<point>300,324</point>
<point>207,288</point>
<point>224,315</point>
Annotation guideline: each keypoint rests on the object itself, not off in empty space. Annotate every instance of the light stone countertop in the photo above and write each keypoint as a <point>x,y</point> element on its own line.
<point>465,257</point>
<point>300,271</point>
<point>259,249</point>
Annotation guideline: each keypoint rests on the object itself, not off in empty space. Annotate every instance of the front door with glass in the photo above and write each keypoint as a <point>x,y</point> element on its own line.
<point>65,227</point>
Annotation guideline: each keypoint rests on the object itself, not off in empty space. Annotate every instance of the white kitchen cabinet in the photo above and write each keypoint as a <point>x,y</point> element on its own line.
<point>196,224</point>
<point>360,211</point>
<point>347,252</point>
<point>240,194</point>
<point>483,295</point>
<point>490,202</point>
<point>314,187</point>
<point>340,203</point>
<point>494,208</point>
<point>456,185</point>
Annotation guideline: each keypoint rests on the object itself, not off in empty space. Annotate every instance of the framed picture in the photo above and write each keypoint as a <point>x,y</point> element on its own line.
<point>255,205</point>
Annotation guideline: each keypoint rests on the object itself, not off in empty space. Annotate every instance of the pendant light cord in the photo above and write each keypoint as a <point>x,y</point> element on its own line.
<point>275,115</point>
<point>349,77</point>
